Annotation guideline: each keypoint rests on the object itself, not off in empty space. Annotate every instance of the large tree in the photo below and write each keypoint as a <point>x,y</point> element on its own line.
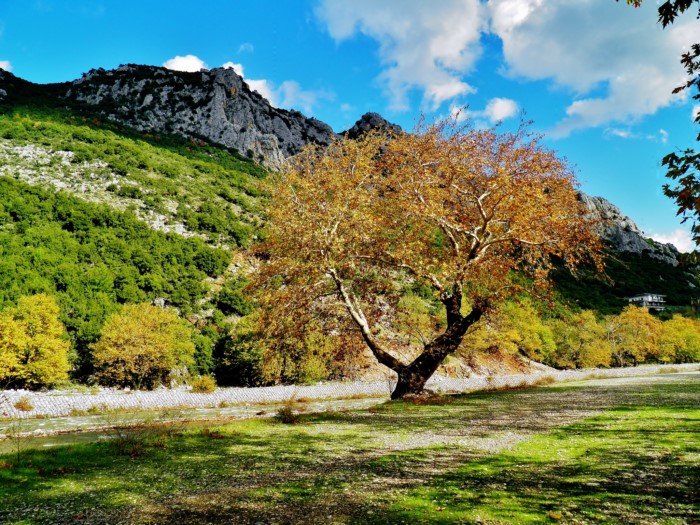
<point>470,215</point>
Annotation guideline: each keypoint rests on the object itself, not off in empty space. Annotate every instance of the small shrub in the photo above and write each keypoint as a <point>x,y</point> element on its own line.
<point>212,434</point>
<point>203,385</point>
<point>24,404</point>
<point>97,409</point>
<point>544,381</point>
<point>287,413</point>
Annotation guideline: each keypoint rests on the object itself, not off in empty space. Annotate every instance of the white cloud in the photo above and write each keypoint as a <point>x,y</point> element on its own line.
<point>289,94</point>
<point>618,62</point>
<point>695,113</point>
<point>189,63</point>
<point>238,68</point>
<point>497,109</point>
<point>246,47</point>
<point>423,45</point>
<point>680,238</point>
<point>6,65</point>
<point>628,133</point>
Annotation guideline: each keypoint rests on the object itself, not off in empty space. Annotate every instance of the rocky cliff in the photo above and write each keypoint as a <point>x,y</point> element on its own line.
<point>216,105</point>
<point>623,233</point>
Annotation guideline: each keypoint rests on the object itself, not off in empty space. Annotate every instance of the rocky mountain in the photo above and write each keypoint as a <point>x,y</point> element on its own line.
<point>623,234</point>
<point>214,105</point>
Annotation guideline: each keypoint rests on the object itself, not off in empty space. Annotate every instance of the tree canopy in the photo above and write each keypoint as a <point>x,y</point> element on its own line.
<point>33,343</point>
<point>141,345</point>
<point>473,216</point>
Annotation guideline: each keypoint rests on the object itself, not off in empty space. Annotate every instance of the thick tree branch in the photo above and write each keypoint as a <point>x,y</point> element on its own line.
<point>355,312</point>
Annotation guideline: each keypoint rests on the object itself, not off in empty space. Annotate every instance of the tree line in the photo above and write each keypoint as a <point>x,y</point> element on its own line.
<point>142,346</point>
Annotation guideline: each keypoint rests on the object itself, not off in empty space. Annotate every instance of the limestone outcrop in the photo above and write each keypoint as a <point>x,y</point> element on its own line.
<point>216,105</point>
<point>623,233</point>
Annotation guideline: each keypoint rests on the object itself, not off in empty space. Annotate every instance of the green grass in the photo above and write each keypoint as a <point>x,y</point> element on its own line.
<point>613,452</point>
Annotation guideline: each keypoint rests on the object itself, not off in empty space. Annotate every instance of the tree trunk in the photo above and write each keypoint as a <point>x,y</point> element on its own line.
<point>412,378</point>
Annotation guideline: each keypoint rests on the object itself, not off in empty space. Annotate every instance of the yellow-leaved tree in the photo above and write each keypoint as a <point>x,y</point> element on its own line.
<point>448,208</point>
<point>12,340</point>
<point>580,342</point>
<point>679,340</point>
<point>33,345</point>
<point>141,345</point>
<point>514,327</point>
<point>633,336</point>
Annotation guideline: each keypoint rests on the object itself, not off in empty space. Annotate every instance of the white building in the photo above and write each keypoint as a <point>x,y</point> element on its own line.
<point>653,301</point>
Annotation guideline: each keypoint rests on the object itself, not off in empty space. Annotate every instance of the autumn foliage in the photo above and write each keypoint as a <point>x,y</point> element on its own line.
<point>457,211</point>
<point>141,345</point>
<point>33,344</point>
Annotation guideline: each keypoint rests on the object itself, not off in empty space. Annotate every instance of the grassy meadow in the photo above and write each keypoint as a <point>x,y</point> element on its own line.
<point>603,451</point>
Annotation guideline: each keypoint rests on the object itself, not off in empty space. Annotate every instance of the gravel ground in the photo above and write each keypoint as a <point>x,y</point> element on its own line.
<point>58,403</point>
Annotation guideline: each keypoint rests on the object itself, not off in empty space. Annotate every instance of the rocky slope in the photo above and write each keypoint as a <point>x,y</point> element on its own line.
<point>623,234</point>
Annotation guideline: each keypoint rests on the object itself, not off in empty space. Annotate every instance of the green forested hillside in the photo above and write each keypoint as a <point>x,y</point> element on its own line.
<point>88,212</point>
<point>93,258</point>
<point>205,189</point>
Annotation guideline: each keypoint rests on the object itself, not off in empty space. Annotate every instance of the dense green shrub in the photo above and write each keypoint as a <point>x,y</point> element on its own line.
<point>239,360</point>
<point>232,299</point>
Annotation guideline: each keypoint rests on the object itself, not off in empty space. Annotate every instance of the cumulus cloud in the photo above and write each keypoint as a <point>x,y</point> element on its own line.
<point>426,46</point>
<point>680,238</point>
<point>189,63</point>
<point>617,62</point>
<point>497,110</point>
<point>289,94</point>
<point>6,65</point>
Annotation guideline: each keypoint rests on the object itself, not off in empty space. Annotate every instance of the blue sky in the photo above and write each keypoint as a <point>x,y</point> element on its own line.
<point>595,76</point>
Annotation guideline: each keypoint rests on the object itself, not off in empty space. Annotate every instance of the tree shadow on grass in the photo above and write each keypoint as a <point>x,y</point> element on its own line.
<point>607,475</point>
<point>375,467</point>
